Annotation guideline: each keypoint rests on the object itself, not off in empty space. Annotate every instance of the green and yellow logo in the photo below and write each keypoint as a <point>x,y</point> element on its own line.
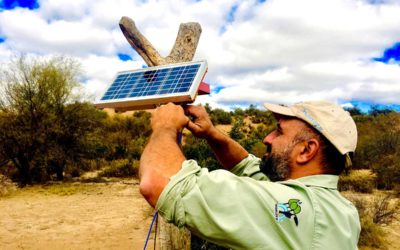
<point>284,211</point>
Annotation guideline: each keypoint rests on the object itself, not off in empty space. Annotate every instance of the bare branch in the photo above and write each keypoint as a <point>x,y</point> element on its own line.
<point>182,51</point>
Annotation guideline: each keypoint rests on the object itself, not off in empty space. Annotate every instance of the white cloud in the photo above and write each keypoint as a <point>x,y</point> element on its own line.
<point>99,72</point>
<point>282,51</point>
<point>27,32</point>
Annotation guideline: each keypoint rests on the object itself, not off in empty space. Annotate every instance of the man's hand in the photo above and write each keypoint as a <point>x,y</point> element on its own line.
<point>169,117</point>
<point>228,151</point>
<point>201,126</point>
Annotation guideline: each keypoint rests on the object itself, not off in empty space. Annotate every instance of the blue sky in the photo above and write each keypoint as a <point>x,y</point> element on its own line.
<point>282,51</point>
<point>12,4</point>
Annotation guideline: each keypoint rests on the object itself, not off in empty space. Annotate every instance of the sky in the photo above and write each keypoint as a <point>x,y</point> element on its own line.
<point>279,51</point>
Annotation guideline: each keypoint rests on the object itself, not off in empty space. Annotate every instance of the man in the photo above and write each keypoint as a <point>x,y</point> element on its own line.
<point>287,200</point>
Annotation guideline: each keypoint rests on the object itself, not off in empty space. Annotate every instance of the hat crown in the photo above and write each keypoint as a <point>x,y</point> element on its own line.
<point>331,120</point>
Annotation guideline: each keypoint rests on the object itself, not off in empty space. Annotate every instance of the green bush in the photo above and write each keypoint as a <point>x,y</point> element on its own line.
<point>258,149</point>
<point>121,168</point>
<point>253,141</point>
<point>358,180</point>
<point>199,150</point>
<point>236,132</point>
<point>220,116</point>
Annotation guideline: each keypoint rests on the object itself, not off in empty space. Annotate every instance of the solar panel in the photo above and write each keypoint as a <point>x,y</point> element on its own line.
<point>150,87</point>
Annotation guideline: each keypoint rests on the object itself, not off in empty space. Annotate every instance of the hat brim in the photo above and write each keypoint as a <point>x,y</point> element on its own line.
<point>279,109</point>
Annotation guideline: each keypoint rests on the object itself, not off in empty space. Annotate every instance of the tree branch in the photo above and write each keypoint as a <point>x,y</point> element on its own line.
<point>182,51</point>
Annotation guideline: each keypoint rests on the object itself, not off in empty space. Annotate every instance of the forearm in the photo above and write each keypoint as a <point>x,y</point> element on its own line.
<point>161,159</point>
<point>228,151</point>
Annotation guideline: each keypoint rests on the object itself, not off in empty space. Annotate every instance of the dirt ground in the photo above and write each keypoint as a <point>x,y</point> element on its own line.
<point>75,216</point>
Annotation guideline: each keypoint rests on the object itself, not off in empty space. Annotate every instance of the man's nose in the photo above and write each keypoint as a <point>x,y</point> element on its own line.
<point>269,138</point>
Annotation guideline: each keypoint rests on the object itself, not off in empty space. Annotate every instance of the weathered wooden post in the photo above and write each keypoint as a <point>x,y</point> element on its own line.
<point>170,237</point>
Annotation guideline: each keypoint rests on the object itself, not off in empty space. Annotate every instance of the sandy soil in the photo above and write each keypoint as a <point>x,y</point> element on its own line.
<point>98,216</point>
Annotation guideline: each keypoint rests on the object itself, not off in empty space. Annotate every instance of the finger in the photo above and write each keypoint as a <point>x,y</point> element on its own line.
<point>195,111</point>
<point>187,121</point>
<point>187,109</point>
<point>192,126</point>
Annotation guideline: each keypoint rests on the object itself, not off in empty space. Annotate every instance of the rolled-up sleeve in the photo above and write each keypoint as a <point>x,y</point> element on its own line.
<point>250,167</point>
<point>169,203</point>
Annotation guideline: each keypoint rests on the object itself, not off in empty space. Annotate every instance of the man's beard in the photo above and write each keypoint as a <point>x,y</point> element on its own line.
<point>277,165</point>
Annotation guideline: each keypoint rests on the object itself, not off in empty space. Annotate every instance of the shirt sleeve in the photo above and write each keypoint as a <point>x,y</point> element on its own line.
<point>232,211</point>
<point>250,167</point>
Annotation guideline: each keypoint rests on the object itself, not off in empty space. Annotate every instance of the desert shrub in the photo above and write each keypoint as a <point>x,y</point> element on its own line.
<point>374,212</point>
<point>258,149</point>
<point>363,181</point>
<point>96,164</point>
<point>121,168</point>
<point>6,186</point>
<point>259,116</point>
<point>125,136</point>
<point>253,142</point>
<point>385,209</point>
<point>378,148</point>
<point>236,132</point>
<point>372,235</point>
<point>199,150</point>
<point>238,112</point>
<point>77,168</point>
<point>220,116</point>
<point>387,171</point>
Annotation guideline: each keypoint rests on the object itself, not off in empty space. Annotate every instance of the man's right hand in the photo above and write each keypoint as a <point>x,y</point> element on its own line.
<point>201,125</point>
<point>228,151</point>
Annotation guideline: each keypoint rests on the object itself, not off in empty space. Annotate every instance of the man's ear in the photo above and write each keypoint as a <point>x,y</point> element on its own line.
<point>308,150</point>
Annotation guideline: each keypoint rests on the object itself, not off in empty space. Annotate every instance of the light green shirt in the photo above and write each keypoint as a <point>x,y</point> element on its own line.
<point>242,209</point>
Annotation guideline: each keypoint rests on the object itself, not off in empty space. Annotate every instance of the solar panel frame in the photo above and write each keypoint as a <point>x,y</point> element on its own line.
<point>135,101</point>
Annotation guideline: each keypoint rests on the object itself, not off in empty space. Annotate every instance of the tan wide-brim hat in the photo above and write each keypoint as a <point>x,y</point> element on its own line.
<point>329,119</point>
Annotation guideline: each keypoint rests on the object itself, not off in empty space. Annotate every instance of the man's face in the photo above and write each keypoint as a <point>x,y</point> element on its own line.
<point>278,160</point>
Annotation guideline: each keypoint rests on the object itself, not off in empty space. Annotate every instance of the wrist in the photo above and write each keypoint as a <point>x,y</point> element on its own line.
<point>166,131</point>
<point>214,135</point>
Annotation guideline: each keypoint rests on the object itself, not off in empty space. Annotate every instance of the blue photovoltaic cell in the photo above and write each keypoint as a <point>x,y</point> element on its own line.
<point>162,81</point>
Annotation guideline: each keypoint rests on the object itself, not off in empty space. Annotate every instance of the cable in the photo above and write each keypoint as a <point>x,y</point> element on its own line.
<point>148,234</point>
<point>155,233</point>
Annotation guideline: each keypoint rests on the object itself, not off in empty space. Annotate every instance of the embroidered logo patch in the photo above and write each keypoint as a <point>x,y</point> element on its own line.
<point>284,211</point>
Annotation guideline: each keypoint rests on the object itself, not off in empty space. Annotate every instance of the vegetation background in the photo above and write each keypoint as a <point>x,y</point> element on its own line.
<point>49,135</point>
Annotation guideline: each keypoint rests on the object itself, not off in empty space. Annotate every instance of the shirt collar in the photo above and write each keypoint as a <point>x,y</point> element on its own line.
<point>321,180</point>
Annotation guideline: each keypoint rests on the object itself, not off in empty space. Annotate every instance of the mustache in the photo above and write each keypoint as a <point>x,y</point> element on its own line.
<point>268,149</point>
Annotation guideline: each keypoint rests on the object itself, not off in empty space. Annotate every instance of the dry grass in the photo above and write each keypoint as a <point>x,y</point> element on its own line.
<point>61,189</point>
<point>378,217</point>
<point>363,181</point>
<point>6,186</point>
